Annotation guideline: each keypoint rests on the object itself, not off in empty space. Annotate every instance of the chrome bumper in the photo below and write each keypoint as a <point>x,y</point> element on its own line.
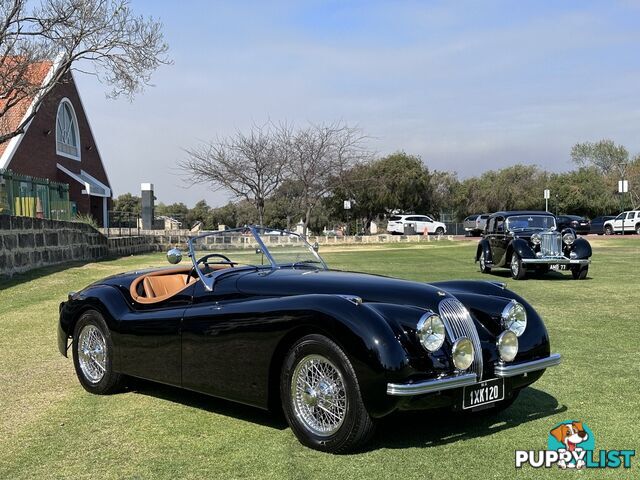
<point>465,379</point>
<point>431,386</point>
<point>504,370</point>
<point>557,261</point>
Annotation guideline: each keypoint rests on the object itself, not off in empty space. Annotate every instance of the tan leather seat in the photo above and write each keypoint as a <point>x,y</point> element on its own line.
<point>158,286</point>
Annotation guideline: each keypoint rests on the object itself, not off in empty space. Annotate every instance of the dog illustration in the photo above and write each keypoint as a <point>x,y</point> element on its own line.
<point>570,435</point>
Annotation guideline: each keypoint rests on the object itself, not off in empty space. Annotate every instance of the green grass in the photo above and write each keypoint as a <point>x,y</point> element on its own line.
<point>51,428</point>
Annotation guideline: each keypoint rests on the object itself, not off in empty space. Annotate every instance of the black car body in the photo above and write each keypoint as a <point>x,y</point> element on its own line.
<point>581,225</point>
<point>298,336</point>
<point>597,224</point>
<point>529,240</point>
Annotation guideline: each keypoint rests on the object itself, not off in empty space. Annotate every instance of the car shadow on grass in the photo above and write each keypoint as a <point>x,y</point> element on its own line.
<point>431,428</point>
<point>208,403</point>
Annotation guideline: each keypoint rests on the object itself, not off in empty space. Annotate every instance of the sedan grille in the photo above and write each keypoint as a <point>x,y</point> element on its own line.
<point>458,322</point>
<point>551,245</point>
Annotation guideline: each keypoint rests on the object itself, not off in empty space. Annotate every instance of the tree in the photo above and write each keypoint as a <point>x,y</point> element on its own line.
<point>284,205</point>
<point>127,203</point>
<point>251,166</point>
<point>101,37</point>
<point>201,212</point>
<point>605,155</point>
<point>319,155</point>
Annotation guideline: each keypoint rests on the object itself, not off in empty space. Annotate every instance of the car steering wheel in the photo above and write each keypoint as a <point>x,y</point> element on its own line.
<point>205,262</point>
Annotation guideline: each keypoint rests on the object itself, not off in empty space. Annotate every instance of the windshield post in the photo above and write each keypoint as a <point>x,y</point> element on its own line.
<point>263,247</point>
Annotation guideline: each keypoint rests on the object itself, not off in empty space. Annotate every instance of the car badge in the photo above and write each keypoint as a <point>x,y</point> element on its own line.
<point>441,293</point>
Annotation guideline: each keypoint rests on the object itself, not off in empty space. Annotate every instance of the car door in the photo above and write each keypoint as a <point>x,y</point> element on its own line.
<point>498,241</point>
<point>149,339</point>
<point>618,223</point>
<point>629,222</point>
<point>220,344</point>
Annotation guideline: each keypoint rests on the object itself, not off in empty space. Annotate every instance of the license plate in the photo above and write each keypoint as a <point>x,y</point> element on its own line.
<point>555,267</point>
<point>483,393</point>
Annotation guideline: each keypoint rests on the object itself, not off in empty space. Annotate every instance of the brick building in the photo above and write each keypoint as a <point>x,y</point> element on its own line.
<point>58,145</point>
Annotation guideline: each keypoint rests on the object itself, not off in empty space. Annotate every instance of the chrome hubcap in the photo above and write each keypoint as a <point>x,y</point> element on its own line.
<point>515,268</point>
<point>318,395</point>
<point>92,353</point>
<point>482,261</point>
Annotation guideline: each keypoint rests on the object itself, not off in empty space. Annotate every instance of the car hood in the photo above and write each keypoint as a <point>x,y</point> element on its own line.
<point>371,288</point>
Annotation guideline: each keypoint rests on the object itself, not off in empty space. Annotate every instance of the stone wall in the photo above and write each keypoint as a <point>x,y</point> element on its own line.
<point>27,243</point>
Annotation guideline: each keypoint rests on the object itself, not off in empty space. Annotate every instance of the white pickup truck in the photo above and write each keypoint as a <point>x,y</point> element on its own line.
<point>623,223</point>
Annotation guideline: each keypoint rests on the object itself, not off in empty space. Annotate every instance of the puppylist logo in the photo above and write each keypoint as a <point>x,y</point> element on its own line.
<point>571,445</point>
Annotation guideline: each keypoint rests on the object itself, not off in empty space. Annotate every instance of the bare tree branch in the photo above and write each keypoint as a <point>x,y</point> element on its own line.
<point>103,37</point>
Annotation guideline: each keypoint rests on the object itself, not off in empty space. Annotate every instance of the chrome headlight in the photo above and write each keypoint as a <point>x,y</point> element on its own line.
<point>507,346</point>
<point>536,238</point>
<point>568,238</point>
<point>462,353</point>
<point>431,331</point>
<point>514,318</point>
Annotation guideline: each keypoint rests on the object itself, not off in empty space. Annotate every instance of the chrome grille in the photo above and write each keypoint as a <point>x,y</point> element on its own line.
<point>458,322</point>
<point>551,244</point>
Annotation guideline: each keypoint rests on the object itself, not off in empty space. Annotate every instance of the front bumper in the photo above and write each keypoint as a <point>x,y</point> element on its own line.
<point>462,380</point>
<point>556,261</point>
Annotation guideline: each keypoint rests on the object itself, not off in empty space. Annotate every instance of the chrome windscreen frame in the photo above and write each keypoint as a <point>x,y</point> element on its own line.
<point>209,280</point>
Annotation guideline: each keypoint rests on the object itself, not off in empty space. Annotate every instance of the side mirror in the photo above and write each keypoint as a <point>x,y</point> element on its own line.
<point>174,256</point>
<point>316,246</point>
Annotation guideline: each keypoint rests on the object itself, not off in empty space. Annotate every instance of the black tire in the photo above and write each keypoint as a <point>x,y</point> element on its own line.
<point>638,229</point>
<point>483,265</point>
<point>542,269</point>
<point>439,231</point>
<point>518,272</point>
<point>580,272</point>
<point>355,427</point>
<point>608,230</point>
<point>498,407</point>
<point>109,381</point>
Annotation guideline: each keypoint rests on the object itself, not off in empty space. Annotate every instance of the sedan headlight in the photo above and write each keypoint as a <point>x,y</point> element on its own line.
<point>462,353</point>
<point>514,318</point>
<point>568,238</point>
<point>536,238</point>
<point>431,331</point>
<point>507,346</point>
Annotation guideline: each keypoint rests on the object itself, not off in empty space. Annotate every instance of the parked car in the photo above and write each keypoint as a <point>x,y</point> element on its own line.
<point>597,224</point>
<point>581,225</point>
<point>396,224</point>
<point>626,222</point>
<point>522,240</point>
<point>276,328</point>
<point>474,225</point>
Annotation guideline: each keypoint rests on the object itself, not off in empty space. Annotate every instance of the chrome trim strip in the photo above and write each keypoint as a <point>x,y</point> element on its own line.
<point>503,370</point>
<point>558,261</point>
<point>431,386</point>
<point>458,322</point>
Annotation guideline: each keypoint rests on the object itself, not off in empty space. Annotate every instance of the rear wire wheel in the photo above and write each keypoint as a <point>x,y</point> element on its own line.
<point>321,397</point>
<point>483,262</point>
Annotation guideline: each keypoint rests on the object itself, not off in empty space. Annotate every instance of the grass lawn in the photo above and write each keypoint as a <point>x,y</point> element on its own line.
<point>51,428</point>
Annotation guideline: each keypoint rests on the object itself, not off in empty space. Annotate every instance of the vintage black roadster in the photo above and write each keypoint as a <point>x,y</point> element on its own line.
<point>529,241</point>
<point>270,325</point>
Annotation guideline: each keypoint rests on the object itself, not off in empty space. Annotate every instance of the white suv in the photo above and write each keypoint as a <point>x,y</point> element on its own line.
<point>623,223</point>
<point>421,222</point>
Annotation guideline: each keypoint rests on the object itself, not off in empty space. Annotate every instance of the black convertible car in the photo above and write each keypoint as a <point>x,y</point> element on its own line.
<point>275,328</point>
<point>530,241</point>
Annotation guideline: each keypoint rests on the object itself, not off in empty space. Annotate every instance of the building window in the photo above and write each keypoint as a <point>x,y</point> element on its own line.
<point>67,134</point>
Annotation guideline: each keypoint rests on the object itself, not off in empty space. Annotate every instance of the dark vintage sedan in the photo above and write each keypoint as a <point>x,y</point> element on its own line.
<point>581,225</point>
<point>530,241</point>
<point>272,326</point>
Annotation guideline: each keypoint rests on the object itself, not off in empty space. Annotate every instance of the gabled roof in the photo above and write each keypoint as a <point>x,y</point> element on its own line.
<point>36,74</point>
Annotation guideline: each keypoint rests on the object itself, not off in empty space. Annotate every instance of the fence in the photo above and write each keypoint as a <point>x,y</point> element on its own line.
<point>24,196</point>
<point>123,224</point>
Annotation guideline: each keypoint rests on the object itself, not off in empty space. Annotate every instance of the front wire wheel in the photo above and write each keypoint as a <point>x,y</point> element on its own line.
<point>93,354</point>
<point>518,271</point>
<point>321,397</point>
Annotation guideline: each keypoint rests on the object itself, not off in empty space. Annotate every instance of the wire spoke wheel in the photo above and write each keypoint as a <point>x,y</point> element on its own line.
<point>319,395</point>
<point>92,353</point>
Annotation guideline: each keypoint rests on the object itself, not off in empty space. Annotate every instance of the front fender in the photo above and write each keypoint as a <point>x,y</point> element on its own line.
<point>521,247</point>
<point>581,248</point>
<point>483,245</point>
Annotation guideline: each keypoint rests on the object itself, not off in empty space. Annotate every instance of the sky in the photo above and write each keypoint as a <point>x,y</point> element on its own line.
<point>468,86</point>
